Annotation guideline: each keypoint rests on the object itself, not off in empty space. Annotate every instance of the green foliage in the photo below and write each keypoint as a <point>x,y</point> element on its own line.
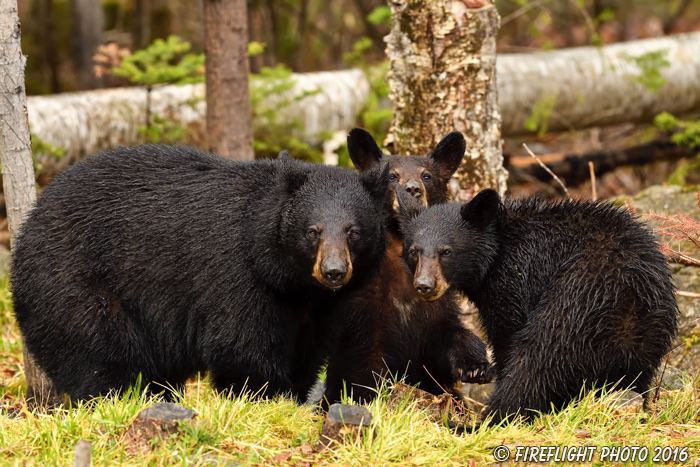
<point>270,94</point>
<point>163,62</point>
<point>163,130</point>
<point>375,116</point>
<point>651,66</point>
<point>539,118</point>
<point>255,48</point>
<point>683,132</point>
<point>380,15</point>
<point>39,146</point>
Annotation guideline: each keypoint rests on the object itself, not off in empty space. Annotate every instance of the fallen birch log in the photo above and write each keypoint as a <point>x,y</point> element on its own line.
<point>585,86</point>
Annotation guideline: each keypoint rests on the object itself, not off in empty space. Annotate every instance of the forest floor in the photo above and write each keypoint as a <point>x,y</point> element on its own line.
<point>280,432</point>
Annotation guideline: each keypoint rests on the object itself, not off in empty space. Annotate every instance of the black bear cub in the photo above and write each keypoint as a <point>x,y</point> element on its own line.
<point>570,293</point>
<point>163,261</point>
<point>387,328</point>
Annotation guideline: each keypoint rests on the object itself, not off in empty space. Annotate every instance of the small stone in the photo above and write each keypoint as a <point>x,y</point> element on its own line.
<point>210,460</point>
<point>83,456</point>
<point>627,402</point>
<point>343,423</point>
<point>672,378</point>
<point>166,411</point>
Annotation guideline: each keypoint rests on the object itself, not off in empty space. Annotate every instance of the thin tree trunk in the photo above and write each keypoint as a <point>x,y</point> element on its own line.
<point>88,25</point>
<point>443,78</point>
<point>229,126</point>
<point>48,40</point>
<point>142,30</point>
<point>16,157</point>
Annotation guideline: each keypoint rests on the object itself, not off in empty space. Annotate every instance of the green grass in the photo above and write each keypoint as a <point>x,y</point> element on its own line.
<point>278,432</point>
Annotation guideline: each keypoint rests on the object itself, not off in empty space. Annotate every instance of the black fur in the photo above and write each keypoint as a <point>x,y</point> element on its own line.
<point>571,293</point>
<point>386,327</point>
<point>165,261</point>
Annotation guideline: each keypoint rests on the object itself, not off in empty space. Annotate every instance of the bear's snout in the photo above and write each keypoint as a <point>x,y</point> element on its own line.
<point>333,268</point>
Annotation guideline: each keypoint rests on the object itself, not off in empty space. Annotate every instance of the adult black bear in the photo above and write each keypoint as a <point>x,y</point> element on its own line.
<point>570,292</point>
<point>165,261</point>
<point>387,328</point>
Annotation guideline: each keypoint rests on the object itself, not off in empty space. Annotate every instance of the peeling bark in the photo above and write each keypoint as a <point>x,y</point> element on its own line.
<point>443,78</point>
<point>16,158</point>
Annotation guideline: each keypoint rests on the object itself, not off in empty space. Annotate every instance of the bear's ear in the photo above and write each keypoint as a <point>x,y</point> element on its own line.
<point>284,155</point>
<point>291,175</point>
<point>363,150</point>
<point>409,206</point>
<point>483,209</point>
<point>376,181</point>
<point>448,154</point>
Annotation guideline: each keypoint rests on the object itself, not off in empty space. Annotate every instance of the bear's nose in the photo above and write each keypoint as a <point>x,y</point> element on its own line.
<point>425,286</point>
<point>414,189</point>
<point>334,275</point>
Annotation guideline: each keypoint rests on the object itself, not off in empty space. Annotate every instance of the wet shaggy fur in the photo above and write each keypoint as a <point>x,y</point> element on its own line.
<point>166,261</point>
<point>387,328</point>
<point>571,293</point>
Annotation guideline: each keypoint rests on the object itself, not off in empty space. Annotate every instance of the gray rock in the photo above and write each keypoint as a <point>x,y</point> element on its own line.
<point>166,411</point>
<point>672,379</point>
<point>83,455</point>
<point>627,401</point>
<point>343,423</point>
<point>674,200</point>
<point>210,460</point>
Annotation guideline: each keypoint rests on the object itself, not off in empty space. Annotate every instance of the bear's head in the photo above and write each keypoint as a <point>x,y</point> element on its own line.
<point>424,178</point>
<point>332,222</point>
<point>449,245</point>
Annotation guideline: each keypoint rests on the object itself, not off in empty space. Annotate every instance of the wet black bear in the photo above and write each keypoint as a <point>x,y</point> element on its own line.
<point>165,261</point>
<point>387,328</point>
<point>570,293</point>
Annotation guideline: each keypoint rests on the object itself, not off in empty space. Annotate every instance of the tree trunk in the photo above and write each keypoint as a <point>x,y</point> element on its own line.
<point>16,157</point>
<point>142,29</point>
<point>88,24</point>
<point>229,126</point>
<point>48,41</point>
<point>443,78</point>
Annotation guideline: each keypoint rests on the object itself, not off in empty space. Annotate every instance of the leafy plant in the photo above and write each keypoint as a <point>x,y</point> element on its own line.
<point>162,62</point>
<point>683,132</point>
<point>651,66</point>
<point>271,91</point>
<point>39,146</point>
<point>541,112</point>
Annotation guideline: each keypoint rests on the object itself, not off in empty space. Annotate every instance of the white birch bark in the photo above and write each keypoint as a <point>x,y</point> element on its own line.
<point>589,92</point>
<point>16,157</point>
<point>85,123</point>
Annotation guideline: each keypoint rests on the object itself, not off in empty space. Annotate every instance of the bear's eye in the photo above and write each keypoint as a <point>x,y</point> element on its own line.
<point>446,252</point>
<point>353,234</point>
<point>427,177</point>
<point>312,233</point>
<point>393,177</point>
<point>412,253</point>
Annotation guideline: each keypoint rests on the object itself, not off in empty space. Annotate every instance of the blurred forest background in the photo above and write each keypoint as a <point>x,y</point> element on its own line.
<point>62,37</point>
